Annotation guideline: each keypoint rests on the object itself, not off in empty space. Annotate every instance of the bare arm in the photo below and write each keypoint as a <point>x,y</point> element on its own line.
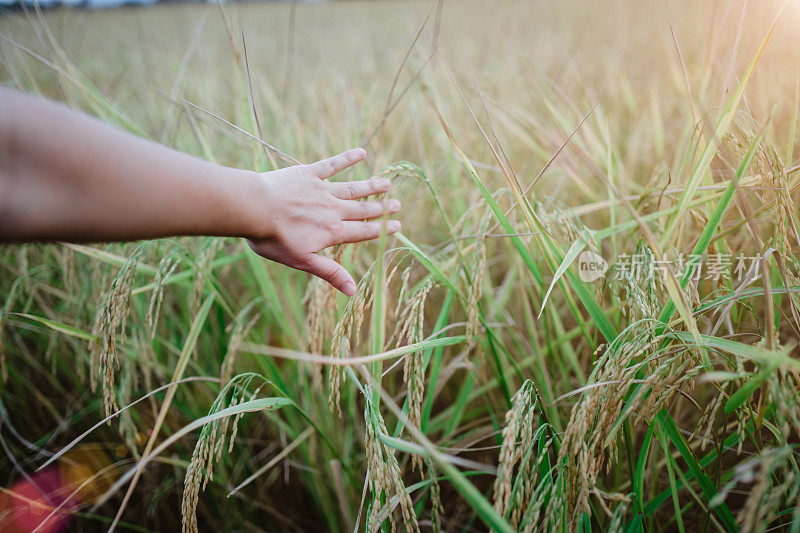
<point>67,176</point>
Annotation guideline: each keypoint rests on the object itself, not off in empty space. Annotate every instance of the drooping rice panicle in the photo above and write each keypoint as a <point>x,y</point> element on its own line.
<point>110,328</point>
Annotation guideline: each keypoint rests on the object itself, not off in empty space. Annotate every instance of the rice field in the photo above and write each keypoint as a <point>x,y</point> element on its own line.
<point>588,322</point>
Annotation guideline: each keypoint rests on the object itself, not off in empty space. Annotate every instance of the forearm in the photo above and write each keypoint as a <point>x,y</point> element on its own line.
<point>66,176</point>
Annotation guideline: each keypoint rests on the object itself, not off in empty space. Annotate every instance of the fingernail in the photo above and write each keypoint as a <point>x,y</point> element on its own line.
<point>393,226</point>
<point>360,153</point>
<point>394,205</point>
<point>386,184</point>
<point>349,288</point>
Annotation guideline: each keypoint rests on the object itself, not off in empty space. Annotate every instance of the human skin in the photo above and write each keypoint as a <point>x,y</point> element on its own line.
<point>65,176</point>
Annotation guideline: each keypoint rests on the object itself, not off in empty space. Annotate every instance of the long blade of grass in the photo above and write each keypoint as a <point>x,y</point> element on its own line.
<point>58,326</point>
<point>746,391</point>
<point>722,126</point>
<point>573,252</point>
<point>283,353</point>
<point>674,489</point>
<point>706,485</point>
<point>713,223</point>
<point>83,435</point>
<point>249,406</point>
<point>779,358</point>
<point>638,476</point>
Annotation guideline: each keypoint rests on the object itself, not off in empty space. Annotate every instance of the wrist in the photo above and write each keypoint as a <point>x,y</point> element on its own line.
<point>249,206</point>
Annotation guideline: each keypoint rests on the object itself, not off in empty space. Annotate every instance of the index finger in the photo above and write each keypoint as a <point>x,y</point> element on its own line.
<point>328,167</point>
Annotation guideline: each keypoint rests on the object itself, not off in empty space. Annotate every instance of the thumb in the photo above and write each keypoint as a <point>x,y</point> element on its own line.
<point>329,270</point>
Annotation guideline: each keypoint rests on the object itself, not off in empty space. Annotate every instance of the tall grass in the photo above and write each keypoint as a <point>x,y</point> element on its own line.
<point>475,380</point>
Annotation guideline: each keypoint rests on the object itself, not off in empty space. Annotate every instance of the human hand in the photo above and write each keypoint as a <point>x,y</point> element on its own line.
<point>304,214</point>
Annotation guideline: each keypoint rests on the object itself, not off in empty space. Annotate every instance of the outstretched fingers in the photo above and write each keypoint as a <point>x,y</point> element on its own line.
<point>366,210</point>
<point>328,167</point>
<point>353,190</point>
<point>356,225</point>
<point>364,231</point>
<point>329,270</point>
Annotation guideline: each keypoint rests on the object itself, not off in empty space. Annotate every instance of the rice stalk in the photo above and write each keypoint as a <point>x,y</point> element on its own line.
<point>589,444</point>
<point>383,475</point>
<point>437,508</point>
<point>209,250</point>
<point>475,292</point>
<point>166,267</point>
<point>110,328</point>
<point>320,302</point>
<point>411,331</point>
<point>346,329</point>
<point>773,483</point>
<point>209,447</point>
